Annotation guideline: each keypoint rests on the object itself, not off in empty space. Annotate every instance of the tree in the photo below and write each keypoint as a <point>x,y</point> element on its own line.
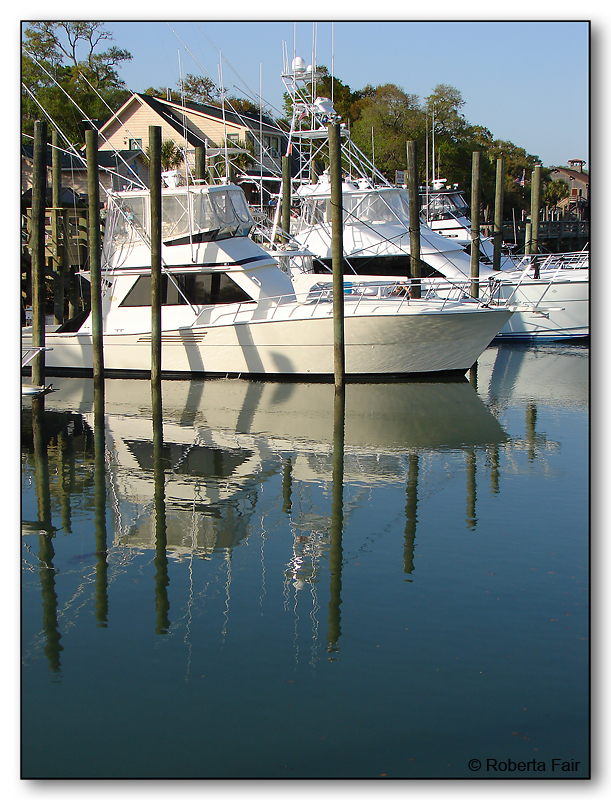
<point>554,192</point>
<point>444,105</point>
<point>65,58</point>
<point>171,155</point>
<point>394,116</point>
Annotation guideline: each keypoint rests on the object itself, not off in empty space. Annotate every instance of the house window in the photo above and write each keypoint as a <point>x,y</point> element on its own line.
<point>272,145</point>
<point>233,137</point>
<point>135,144</point>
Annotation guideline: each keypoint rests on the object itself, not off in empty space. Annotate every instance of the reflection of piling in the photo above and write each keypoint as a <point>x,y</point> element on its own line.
<point>498,213</point>
<point>476,179</point>
<point>101,546</point>
<point>473,376</point>
<point>471,487</point>
<point>66,465</point>
<point>337,254</point>
<point>337,522</point>
<point>37,249</point>
<point>411,514</point>
<point>95,257</point>
<point>531,430</point>
<point>162,604</point>
<point>155,197</point>
<point>287,486</point>
<point>495,468</point>
<point>414,217</point>
<point>46,552</point>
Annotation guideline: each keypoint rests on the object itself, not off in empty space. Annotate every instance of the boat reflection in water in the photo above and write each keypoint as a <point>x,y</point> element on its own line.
<point>223,440</point>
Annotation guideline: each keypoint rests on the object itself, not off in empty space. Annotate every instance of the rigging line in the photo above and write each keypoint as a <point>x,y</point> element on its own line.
<point>72,100</point>
<point>123,125</point>
<point>224,118</point>
<point>250,93</point>
<point>184,128</point>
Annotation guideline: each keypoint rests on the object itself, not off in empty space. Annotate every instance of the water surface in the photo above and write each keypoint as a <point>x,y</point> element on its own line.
<point>251,591</point>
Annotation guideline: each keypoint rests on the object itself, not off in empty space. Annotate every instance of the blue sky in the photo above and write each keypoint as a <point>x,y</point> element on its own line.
<point>527,82</point>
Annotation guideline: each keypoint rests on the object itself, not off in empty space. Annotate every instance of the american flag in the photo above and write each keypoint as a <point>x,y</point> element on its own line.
<point>522,180</point>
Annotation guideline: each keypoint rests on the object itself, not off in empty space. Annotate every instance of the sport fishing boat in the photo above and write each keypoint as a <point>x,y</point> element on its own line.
<point>550,293</point>
<point>446,211</point>
<point>229,309</point>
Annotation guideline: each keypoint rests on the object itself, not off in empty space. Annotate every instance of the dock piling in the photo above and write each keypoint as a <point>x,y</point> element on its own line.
<point>498,213</point>
<point>286,195</point>
<point>155,195</point>
<point>414,216</point>
<point>337,254</point>
<point>37,249</point>
<point>476,180</point>
<point>95,257</point>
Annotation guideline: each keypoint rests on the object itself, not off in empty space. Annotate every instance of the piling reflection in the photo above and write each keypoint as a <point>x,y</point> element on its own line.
<point>46,553</point>
<point>337,521</point>
<point>99,471</point>
<point>162,580</point>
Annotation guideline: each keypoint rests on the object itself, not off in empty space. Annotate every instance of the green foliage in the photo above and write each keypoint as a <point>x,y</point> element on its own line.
<point>171,155</point>
<point>65,58</point>
<point>554,192</point>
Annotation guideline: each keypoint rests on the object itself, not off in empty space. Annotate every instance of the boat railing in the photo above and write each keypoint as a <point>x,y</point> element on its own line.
<point>551,261</point>
<point>359,297</point>
<point>29,354</point>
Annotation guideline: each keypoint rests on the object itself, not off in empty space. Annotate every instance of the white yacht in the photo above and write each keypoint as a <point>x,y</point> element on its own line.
<point>551,296</point>
<point>446,211</point>
<point>229,309</point>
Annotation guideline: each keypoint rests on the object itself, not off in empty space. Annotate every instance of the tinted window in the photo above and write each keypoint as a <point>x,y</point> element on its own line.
<point>196,288</point>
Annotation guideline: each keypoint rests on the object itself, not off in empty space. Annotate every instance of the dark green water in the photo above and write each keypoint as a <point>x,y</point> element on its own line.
<point>215,605</point>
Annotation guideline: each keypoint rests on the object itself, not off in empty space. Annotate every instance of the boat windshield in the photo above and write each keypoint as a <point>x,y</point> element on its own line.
<point>217,214</point>
<point>376,207</point>
<point>369,207</point>
<point>444,206</point>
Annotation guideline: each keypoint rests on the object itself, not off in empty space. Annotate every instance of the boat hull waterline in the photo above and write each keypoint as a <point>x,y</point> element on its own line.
<point>554,311</point>
<point>375,345</point>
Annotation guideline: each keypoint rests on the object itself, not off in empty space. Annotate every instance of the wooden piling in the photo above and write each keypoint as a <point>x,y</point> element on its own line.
<point>414,216</point>
<point>286,196</point>
<point>337,254</point>
<point>498,213</point>
<point>528,239</point>
<point>476,179</point>
<point>535,204</point>
<point>200,163</point>
<point>56,229</point>
<point>155,195</point>
<point>37,249</point>
<point>95,257</point>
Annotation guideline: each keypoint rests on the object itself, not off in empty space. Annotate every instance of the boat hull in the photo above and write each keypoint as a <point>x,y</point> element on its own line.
<point>375,345</point>
<point>555,311</point>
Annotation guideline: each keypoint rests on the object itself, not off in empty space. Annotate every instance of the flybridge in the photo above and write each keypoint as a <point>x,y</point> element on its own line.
<point>189,214</point>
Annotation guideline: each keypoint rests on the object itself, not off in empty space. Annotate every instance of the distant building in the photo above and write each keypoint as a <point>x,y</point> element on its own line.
<point>123,142</point>
<point>115,170</point>
<point>577,204</point>
<point>190,125</point>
